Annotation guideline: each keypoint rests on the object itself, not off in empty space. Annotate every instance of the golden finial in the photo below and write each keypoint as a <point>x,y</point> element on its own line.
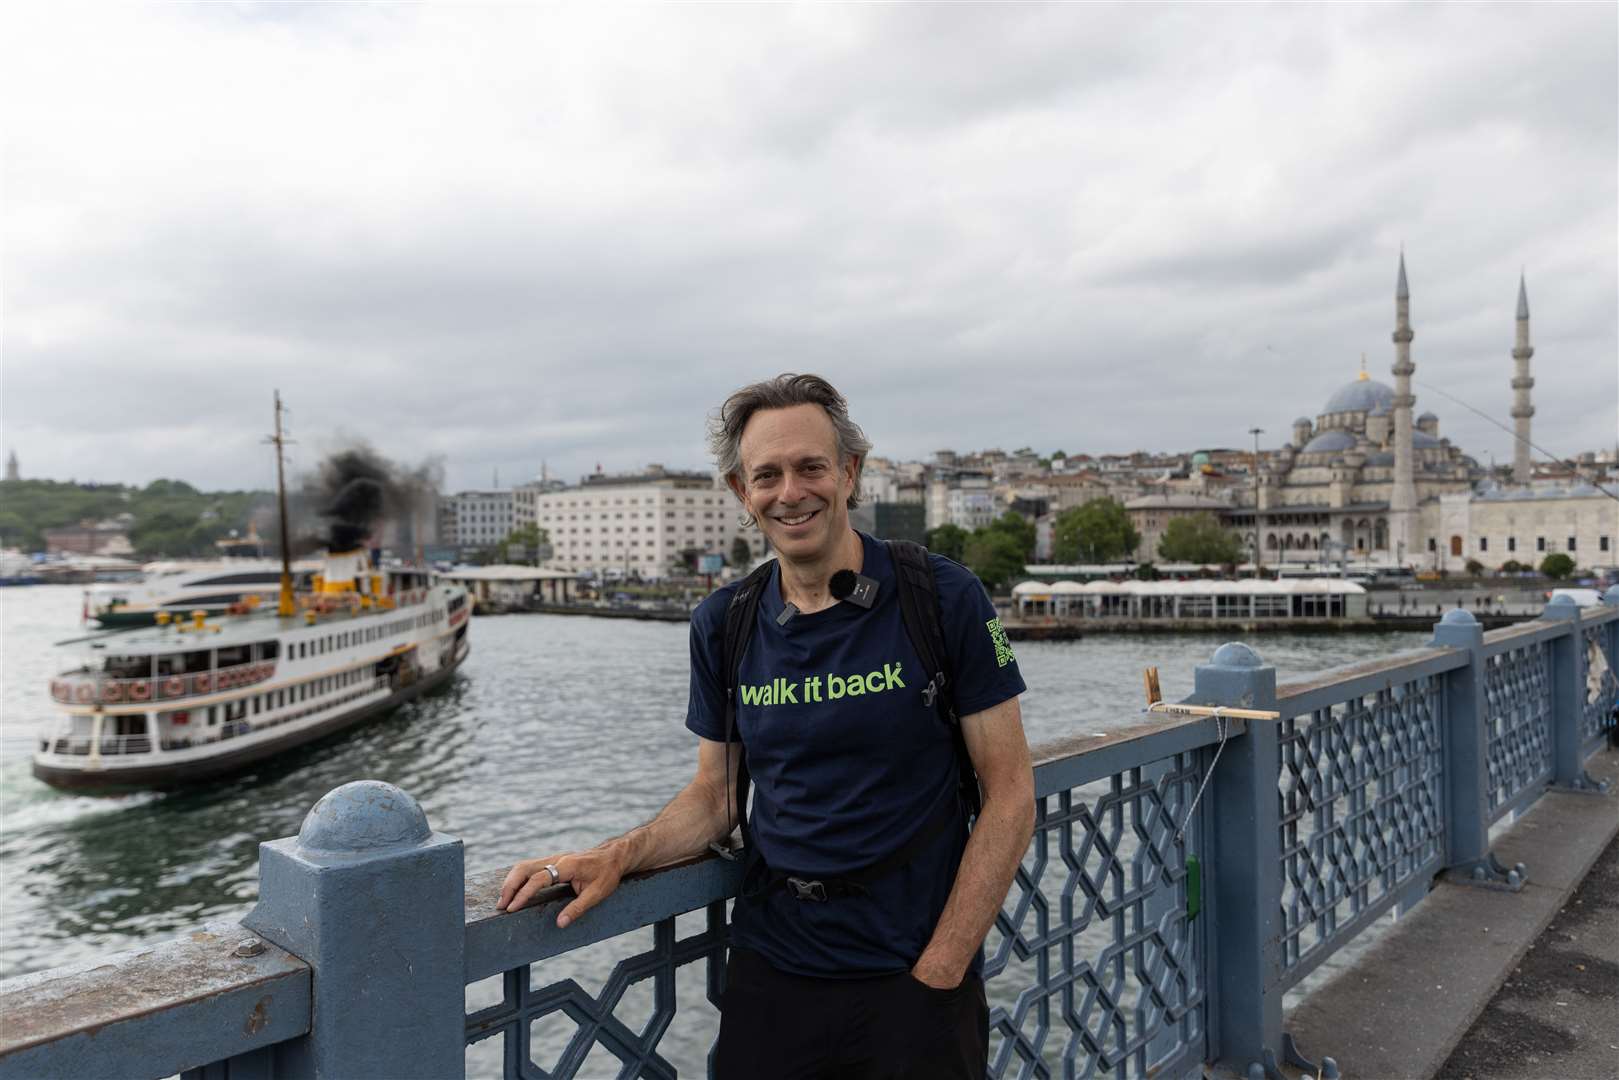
<point>1363,376</point>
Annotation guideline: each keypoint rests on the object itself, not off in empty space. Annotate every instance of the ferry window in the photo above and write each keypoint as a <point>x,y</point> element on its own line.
<point>258,704</point>
<point>213,715</point>
<point>236,654</point>
<point>280,698</point>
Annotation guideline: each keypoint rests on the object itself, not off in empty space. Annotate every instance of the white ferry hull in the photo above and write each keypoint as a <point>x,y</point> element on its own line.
<point>176,774</point>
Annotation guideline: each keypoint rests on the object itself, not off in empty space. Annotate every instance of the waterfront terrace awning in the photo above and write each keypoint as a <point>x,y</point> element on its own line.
<point>1211,587</point>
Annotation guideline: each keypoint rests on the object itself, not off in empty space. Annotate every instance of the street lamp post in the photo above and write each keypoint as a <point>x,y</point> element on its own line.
<point>1259,540</point>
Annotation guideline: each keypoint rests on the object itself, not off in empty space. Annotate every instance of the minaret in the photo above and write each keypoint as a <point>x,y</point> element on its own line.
<point>1403,499</point>
<point>12,473</point>
<point>1521,384</point>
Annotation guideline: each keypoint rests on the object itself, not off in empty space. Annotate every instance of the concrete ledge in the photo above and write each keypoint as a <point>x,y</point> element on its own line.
<point>1403,1007</point>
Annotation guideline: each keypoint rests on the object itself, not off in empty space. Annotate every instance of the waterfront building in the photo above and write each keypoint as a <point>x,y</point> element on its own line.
<point>110,537</point>
<point>641,523</point>
<point>480,519</point>
<point>1498,524</point>
<point>1150,516</point>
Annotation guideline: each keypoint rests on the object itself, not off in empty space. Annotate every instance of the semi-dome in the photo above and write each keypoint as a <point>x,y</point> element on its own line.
<point>1362,395</point>
<point>1330,442</point>
<point>1421,440</point>
<point>1380,459</point>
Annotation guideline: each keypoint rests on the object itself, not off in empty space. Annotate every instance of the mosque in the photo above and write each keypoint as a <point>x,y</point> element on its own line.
<point>1368,482</point>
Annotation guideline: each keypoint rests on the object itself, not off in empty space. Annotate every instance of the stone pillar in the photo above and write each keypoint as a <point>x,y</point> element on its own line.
<point>1243,881</point>
<point>372,899</point>
<point>1568,700</point>
<point>1466,736</point>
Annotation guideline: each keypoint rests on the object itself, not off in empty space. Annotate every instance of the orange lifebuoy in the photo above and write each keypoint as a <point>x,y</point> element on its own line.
<point>201,684</point>
<point>113,691</point>
<point>140,690</point>
<point>174,686</point>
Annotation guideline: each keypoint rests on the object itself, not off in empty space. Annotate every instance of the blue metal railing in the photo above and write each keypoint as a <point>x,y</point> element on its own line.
<point>371,952</point>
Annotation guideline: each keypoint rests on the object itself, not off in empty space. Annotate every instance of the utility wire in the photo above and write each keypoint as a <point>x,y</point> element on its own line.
<point>1572,466</point>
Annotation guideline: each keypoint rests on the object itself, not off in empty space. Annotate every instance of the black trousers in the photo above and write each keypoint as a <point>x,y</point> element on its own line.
<point>777,1026</point>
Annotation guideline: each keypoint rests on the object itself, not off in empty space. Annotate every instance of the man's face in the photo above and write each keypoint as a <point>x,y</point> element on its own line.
<point>793,482</point>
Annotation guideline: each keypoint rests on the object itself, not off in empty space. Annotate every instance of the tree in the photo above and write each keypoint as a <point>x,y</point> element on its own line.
<point>994,555</point>
<point>1097,532</point>
<point>1557,566</point>
<point>1199,538</point>
<point>741,553</point>
<point>530,537</point>
<point>1019,528</point>
<point>949,541</point>
<point>1474,568</point>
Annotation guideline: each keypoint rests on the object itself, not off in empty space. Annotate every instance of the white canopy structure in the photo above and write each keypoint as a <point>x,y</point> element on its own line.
<point>1300,598</point>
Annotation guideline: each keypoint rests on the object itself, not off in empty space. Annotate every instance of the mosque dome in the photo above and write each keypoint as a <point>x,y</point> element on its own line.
<point>1362,395</point>
<point>1421,440</point>
<point>1329,442</point>
<point>1200,459</point>
<point>1382,408</point>
<point>1426,416</point>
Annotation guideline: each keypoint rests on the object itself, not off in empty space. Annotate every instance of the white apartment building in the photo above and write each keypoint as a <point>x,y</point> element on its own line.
<point>641,523</point>
<point>480,518</point>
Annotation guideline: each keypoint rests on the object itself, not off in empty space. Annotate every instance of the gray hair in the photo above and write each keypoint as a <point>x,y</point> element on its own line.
<point>783,392</point>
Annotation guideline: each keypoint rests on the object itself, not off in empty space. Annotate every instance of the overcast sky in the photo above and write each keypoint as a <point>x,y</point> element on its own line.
<point>507,235</point>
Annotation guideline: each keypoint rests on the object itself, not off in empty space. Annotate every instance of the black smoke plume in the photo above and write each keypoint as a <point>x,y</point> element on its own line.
<point>358,492</point>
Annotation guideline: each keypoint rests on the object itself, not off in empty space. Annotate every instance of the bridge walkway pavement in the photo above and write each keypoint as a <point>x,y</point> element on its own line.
<point>1407,1007</point>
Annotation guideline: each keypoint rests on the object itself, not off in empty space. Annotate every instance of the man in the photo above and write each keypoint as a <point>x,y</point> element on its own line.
<point>850,765</point>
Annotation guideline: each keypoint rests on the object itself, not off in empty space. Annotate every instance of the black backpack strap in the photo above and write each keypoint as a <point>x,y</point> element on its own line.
<point>740,617</point>
<point>924,623</point>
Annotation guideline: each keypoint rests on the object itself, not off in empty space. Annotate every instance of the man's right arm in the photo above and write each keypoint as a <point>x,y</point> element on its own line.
<point>695,818</point>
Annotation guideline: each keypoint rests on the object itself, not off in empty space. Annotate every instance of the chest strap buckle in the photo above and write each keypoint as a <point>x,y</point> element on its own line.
<point>931,690</point>
<point>807,890</point>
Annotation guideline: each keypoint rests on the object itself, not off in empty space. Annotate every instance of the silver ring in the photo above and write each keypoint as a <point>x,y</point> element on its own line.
<point>552,870</point>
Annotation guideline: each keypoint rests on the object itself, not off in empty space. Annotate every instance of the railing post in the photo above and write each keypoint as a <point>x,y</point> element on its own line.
<point>1243,871</point>
<point>1568,700</point>
<point>1467,744</point>
<point>372,899</point>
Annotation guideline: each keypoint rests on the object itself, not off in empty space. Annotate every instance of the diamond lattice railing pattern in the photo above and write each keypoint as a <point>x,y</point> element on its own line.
<point>1362,811</point>
<point>1517,723</point>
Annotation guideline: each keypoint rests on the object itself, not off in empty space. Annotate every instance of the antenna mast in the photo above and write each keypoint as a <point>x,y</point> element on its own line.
<point>285,605</point>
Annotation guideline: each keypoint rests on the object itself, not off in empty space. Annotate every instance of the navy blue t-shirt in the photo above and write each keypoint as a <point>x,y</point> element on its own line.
<point>848,761</point>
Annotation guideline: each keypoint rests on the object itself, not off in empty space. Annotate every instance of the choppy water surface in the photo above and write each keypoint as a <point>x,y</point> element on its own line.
<point>557,732</point>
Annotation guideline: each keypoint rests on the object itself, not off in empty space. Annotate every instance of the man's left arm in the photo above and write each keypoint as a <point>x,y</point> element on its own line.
<point>1000,753</point>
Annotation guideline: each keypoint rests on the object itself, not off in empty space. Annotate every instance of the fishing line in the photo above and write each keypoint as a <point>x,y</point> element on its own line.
<point>1544,453</point>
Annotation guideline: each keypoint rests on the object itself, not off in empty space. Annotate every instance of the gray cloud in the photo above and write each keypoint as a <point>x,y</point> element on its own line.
<point>507,235</point>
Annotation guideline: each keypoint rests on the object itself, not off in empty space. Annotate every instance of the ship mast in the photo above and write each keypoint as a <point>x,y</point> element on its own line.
<point>284,606</point>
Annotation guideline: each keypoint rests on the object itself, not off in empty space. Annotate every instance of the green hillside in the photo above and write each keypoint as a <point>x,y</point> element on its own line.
<point>170,517</point>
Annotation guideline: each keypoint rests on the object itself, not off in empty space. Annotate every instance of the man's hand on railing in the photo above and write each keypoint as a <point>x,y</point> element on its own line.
<point>593,875</point>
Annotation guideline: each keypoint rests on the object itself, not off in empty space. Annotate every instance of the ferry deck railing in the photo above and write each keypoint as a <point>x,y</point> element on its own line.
<point>1148,931</point>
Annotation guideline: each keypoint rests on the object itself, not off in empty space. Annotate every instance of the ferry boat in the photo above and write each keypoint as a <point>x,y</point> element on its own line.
<point>191,699</point>
<point>194,698</point>
<point>179,588</point>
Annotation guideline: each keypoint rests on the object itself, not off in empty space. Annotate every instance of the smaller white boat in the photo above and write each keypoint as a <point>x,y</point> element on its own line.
<point>213,586</point>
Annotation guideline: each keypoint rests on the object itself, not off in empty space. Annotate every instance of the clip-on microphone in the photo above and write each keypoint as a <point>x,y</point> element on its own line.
<point>856,588</point>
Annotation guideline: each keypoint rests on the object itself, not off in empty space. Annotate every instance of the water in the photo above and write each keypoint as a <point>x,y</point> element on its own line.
<point>557,732</point>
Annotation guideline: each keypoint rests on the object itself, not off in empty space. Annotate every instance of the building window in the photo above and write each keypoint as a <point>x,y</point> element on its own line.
<point>1602,543</point>
<point>1571,543</point>
<point>1484,543</point>
<point>1433,545</point>
<point>1512,543</point>
<point>1540,543</point>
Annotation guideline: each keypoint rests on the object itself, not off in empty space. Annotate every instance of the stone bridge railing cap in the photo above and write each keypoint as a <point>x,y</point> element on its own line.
<point>1611,596</point>
<point>1458,617</point>
<point>1236,654</point>
<point>363,816</point>
<point>1564,601</point>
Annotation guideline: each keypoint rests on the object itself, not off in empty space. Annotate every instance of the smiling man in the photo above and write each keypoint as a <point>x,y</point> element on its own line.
<point>856,945</point>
